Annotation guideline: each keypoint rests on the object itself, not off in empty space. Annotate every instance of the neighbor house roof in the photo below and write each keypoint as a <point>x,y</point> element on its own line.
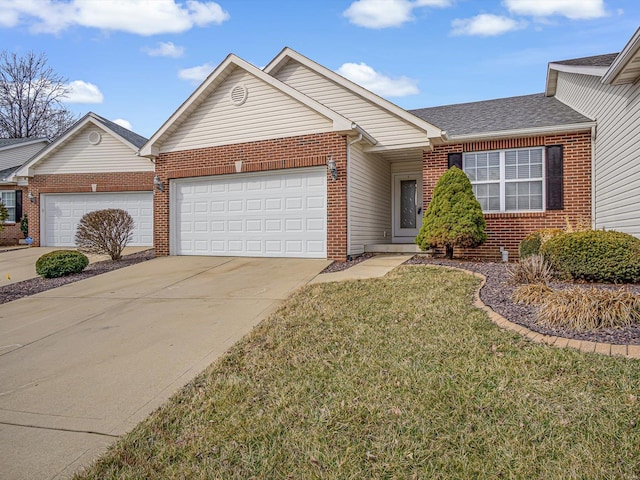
<point>594,61</point>
<point>129,138</point>
<point>528,114</point>
<point>6,143</point>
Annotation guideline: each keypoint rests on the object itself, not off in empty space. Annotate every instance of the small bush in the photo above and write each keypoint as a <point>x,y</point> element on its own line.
<point>531,244</point>
<point>595,256</point>
<point>60,263</point>
<point>532,269</point>
<point>105,232</point>
<point>531,294</point>
<point>589,308</point>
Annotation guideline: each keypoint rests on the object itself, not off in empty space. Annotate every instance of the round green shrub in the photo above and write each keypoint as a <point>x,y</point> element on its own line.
<point>60,263</point>
<point>531,244</point>
<point>595,256</point>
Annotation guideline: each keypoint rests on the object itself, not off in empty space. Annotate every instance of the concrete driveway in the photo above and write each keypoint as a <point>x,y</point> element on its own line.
<point>83,363</point>
<point>19,264</point>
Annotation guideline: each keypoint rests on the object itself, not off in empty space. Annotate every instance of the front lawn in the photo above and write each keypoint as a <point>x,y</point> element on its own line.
<point>397,377</point>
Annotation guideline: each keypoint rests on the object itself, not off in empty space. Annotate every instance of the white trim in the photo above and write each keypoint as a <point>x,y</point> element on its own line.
<point>26,170</point>
<point>522,132</point>
<point>394,204</point>
<point>622,60</point>
<point>215,78</point>
<point>287,53</point>
<point>554,68</point>
<point>402,146</point>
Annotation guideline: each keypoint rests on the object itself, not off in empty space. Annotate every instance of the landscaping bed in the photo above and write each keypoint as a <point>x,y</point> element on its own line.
<point>17,290</point>
<point>497,294</point>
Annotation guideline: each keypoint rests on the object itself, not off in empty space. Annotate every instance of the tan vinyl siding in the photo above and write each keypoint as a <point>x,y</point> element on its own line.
<point>617,150</point>
<point>369,200</point>
<point>386,128</point>
<point>267,113</point>
<point>77,155</point>
<point>13,157</point>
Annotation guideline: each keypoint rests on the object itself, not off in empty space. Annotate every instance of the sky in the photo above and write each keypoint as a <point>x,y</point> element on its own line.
<point>136,61</point>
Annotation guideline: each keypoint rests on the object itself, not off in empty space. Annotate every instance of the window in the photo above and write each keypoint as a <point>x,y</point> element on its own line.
<point>506,180</point>
<point>8,199</point>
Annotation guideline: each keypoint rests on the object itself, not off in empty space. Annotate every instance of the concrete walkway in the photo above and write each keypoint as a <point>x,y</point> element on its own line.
<point>377,266</point>
<point>82,364</point>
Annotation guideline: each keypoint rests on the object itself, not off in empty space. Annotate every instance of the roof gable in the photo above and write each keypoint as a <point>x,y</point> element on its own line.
<point>128,139</point>
<point>288,54</point>
<point>626,66</point>
<point>215,80</point>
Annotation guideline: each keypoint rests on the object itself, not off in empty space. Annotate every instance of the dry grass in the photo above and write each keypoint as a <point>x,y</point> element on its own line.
<point>531,293</point>
<point>395,378</point>
<point>532,269</point>
<point>589,308</point>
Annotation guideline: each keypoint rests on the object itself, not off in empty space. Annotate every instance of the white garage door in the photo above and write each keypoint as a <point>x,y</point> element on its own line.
<point>276,214</point>
<point>62,213</point>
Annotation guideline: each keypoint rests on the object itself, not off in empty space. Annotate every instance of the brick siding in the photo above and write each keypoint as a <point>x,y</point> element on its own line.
<point>267,155</point>
<point>508,229</point>
<point>79,183</point>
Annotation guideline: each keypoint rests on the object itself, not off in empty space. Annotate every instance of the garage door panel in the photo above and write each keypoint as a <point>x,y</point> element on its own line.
<point>62,214</point>
<point>272,214</point>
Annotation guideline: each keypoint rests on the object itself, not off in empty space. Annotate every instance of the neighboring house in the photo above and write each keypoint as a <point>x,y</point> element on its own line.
<point>13,153</point>
<point>246,164</point>
<point>607,89</point>
<point>92,166</point>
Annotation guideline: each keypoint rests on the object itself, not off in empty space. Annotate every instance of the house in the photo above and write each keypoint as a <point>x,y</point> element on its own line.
<point>13,153</point>
<point>92,166</point>
<point>606,88</point>
<point>295,160</point>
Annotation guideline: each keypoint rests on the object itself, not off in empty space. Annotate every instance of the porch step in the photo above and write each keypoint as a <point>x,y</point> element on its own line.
<point>394,248</point>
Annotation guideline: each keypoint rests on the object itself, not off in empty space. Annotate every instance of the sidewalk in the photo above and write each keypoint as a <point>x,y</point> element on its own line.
<point>377,266</point>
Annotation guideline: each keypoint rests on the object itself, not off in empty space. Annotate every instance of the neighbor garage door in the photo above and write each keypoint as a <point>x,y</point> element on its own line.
<point>276,214</point>
<point>62,213</point>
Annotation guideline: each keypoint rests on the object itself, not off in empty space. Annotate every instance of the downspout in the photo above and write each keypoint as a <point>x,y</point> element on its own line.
<point>352,142</point>
<point>593,177</point>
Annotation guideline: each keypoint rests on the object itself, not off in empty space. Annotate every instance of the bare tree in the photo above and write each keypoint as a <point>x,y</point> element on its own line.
<point>31,96</point>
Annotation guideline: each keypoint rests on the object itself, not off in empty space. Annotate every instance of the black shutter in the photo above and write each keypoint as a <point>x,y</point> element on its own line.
<point>455,160</point>
<point>18,206</point>
<point>555,194</point>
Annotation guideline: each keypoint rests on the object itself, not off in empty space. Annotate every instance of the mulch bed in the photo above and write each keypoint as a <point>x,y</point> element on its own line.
<point>497,294</point>
<point>339,266</point>
<point>32,286</point>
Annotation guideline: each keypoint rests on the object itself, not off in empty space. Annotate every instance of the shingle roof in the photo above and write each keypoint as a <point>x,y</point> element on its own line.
<point>5,142</point>
<point>132,137</point>
<point>6,173</point>
<point>513,113</point>
<point>595,61</point>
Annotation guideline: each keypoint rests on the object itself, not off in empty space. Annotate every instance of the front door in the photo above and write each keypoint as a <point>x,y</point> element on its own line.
<point>407,206</point>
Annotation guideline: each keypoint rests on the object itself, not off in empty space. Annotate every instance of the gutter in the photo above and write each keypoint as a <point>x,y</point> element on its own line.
<point>593,177</point>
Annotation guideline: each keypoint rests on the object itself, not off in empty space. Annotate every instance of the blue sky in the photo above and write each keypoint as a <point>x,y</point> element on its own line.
<point>136,61</point>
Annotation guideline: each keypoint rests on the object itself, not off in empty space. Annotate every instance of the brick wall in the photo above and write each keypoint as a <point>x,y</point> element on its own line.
<point>275,154</point>
<point>508,229</point>
<point>11,232</point>
<point>80,183</point>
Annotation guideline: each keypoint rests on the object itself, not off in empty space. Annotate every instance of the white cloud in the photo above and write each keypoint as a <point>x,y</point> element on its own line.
<point>387,13</point>
<point>573,9</point>
<point>196,74</point>
<point>166,49</point>
<point>485,25</point>
<point>367,77</point>
<point>83,92</point>
<point>123,123</point>
<point>141,17</point>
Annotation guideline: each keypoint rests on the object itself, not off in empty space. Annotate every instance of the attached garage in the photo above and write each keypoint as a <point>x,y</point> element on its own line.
<point>61,214</point>
<point>268,214</point>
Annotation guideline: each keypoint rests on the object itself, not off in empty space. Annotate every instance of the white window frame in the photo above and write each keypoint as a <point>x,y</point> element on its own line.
<point>503,181</point>
<point>2,192</point>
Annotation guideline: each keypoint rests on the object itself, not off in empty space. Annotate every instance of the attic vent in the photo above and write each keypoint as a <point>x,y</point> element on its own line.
<point>239,95</point>
<point>94,138</point>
